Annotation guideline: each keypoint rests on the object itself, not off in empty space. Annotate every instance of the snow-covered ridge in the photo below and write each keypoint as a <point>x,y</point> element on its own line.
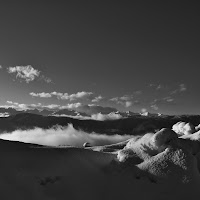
<point>5,112</point>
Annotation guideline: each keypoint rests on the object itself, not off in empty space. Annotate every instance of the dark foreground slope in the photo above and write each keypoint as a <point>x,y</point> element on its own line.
<point>132,125</point>
<point>154,166</point>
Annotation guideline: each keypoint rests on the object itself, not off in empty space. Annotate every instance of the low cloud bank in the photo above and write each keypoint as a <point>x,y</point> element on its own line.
<point>62,136</point>
<point>103,117</point>
<point>97,117</point>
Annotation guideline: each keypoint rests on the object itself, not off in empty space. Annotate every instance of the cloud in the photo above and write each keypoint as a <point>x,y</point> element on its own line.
<point>50,106</point>
<point>63,96</point>
<point>144,112</point>
<point>58,94</point>
<point>138,92</point>
<point>161,87</point>
<point>28,73</point>
<point>62,136</point>
<point>158,86</point>
<point>72,106</point>
<point>46,79</point>
<point>167,101</point>
<point>103,117</point>
<point>94,109</point>
<point>124,100</point>
<point>181,88</point>
<point>79,107</point>
<point>115,99</point>
<point>72,97</point>
<point>80,95</point>
<point>97,99</point>
<point>1,67</point>
<point>42,95</point>
<point>5,114</point>
<point>128,104</point>
<point>39,106</point>
<point>18,106</point>
<point>154,107</point>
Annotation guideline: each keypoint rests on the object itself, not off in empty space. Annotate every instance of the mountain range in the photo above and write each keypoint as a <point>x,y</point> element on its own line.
<point>134,124</point>
<point>5,112</point>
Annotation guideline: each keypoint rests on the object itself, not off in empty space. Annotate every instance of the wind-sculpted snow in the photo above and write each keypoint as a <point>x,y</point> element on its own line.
<point>163,158</point>
<point>183,128</point>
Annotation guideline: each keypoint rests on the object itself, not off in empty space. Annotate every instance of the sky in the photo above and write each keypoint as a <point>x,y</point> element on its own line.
<point>129,55</point>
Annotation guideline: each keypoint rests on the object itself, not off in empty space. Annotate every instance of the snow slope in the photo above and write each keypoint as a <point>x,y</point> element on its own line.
<point>153,166</point>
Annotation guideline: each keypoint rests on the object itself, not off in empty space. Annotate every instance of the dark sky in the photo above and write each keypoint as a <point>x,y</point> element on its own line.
<point>109,48</point>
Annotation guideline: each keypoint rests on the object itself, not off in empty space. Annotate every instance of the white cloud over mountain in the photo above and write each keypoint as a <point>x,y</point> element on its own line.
<point>103,117</point>
<point>19,106</point>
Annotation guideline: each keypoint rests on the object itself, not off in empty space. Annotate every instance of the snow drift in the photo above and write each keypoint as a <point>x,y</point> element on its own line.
<point>183,128</point>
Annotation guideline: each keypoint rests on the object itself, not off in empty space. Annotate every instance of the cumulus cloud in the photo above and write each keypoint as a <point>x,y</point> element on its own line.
<point>103,117</point>
<point>42,95</point>
<point>80,95</point>
<point>1,67</point>
<point>97,99</point>
<point>71,106</point>
<point>124,100</point>
<point>39,106</point>
<point>62,136</point>
<point>63,96</point>
<point>18,106</point>
<point>28,73</point>
<point>72,97</point>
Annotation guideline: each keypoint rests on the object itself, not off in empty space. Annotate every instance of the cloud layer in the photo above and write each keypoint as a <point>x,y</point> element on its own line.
<point>103,117</point>
<point>63,96</point>
<point>62,136</point>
